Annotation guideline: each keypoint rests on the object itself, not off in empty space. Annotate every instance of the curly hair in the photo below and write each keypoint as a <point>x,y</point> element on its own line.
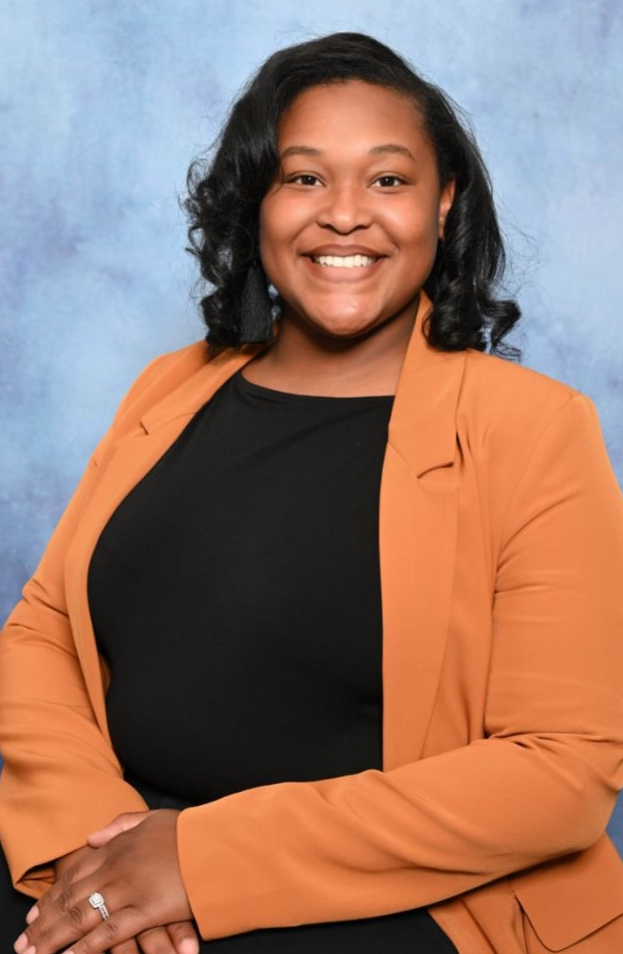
<point>224,196</point>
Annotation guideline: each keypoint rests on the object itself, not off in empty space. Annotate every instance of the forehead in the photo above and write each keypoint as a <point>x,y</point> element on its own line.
<point>351,112</point>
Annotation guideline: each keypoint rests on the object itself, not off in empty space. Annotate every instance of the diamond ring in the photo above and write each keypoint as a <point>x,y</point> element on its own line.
<point>96,901</point>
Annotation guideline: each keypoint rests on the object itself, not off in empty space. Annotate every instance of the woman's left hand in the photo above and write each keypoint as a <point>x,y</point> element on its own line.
<point>137,874</point>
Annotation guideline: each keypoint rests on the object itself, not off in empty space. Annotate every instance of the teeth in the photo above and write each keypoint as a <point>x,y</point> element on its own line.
<point>344,261</point>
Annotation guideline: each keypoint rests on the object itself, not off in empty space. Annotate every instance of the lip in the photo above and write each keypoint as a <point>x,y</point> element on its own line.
<point>344,250</point>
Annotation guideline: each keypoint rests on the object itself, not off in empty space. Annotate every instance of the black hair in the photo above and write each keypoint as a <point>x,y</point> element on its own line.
<point>224,195</point>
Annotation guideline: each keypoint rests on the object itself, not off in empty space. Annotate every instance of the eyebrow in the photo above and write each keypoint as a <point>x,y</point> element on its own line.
<point>391,147</point>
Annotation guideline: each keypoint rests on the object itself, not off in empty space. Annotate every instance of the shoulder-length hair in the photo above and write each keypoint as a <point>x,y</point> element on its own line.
<point>224,195</point>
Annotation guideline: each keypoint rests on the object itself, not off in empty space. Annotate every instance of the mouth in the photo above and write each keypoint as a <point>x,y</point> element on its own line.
<point>344,261</point>
<point>341,269</point>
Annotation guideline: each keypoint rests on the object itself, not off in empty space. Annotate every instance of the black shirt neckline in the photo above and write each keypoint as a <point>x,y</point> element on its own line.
<point>283,397</point>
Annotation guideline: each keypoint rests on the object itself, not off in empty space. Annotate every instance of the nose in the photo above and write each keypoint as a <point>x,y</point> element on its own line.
<point>345,209</point>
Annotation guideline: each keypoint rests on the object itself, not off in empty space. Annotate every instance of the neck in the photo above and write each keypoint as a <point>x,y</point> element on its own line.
<point>305,361</point>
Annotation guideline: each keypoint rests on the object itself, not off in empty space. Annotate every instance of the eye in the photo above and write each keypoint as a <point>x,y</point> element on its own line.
<point>390,181</point>
<point>304,179</point>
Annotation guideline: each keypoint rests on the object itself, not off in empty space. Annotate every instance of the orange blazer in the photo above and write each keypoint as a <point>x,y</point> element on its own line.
<point>501,550</point>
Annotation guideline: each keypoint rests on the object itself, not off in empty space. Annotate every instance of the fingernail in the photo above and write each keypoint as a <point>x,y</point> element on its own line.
<point>32,914</point>
<point>189,945</point>
<point>21,944</point>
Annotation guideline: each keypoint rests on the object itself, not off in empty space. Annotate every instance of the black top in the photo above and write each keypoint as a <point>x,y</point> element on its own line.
<point>236,595</point>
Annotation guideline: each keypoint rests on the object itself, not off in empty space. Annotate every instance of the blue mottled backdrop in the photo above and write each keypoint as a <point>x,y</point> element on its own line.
<point>102,106</point>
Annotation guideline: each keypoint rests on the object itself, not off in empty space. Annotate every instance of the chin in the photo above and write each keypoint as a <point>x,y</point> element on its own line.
<point>344,327</point>
<point>345,334</point>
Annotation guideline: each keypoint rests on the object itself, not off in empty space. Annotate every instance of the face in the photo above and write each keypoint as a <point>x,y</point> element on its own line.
<point>349,231</point>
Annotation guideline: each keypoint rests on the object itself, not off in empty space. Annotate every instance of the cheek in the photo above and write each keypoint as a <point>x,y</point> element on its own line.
<point>268,244</point>
<point>265,223</point>
<point>419,226</point>
<point>273,241</point>
<point>280,220</point>
<point>411,226</point>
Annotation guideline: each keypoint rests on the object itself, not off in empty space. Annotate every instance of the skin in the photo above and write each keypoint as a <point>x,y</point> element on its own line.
<point>345,331</point>
<point>133,864</point>
<point>358,172</point>
<point>178,938</point>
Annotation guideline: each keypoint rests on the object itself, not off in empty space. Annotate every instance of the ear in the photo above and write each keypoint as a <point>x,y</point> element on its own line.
<point>445,204</point>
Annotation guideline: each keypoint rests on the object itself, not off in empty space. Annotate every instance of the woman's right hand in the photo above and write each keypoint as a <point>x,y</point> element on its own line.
<point>180,938</point>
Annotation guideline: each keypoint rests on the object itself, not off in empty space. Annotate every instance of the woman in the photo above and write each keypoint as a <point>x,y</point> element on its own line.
<point>345,604</point>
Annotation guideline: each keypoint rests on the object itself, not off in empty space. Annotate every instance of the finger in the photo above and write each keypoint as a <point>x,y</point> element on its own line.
<point>76,931</point>
<point>156,941</point>
<point>63,892</point>
<point>32,914</point>
<point>109,935</point>
<point>119,824</point>
<point>76,912</point>
<point>129,947</point>
<point>185,937</point>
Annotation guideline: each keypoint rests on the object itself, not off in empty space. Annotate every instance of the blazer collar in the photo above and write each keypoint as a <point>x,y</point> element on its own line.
<point>422,426</point>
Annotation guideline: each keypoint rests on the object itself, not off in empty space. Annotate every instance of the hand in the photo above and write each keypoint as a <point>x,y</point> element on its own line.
<point>136,870</point>
<point>180,938</point>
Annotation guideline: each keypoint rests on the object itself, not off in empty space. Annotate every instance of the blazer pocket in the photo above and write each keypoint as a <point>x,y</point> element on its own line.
<point>567,900</point>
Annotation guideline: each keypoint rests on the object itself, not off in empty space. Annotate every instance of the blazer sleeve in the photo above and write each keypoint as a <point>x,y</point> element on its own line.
<point>60,779</point>
<point>541,783</point>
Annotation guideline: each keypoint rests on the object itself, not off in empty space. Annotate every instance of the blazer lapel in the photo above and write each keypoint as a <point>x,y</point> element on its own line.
<point>417,539</point>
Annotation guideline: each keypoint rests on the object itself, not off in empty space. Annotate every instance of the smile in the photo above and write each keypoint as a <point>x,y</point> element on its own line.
<point>344,261</point>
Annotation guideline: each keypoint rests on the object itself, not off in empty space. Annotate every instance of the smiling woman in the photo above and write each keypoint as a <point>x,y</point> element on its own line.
<point>325,654</point>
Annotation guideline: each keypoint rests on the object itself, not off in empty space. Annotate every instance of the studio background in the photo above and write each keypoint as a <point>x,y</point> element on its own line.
<point>102,107</point>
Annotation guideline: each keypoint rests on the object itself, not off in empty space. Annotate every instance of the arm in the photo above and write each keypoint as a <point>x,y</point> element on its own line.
<point>541,784</point>
<point>60,779</point>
